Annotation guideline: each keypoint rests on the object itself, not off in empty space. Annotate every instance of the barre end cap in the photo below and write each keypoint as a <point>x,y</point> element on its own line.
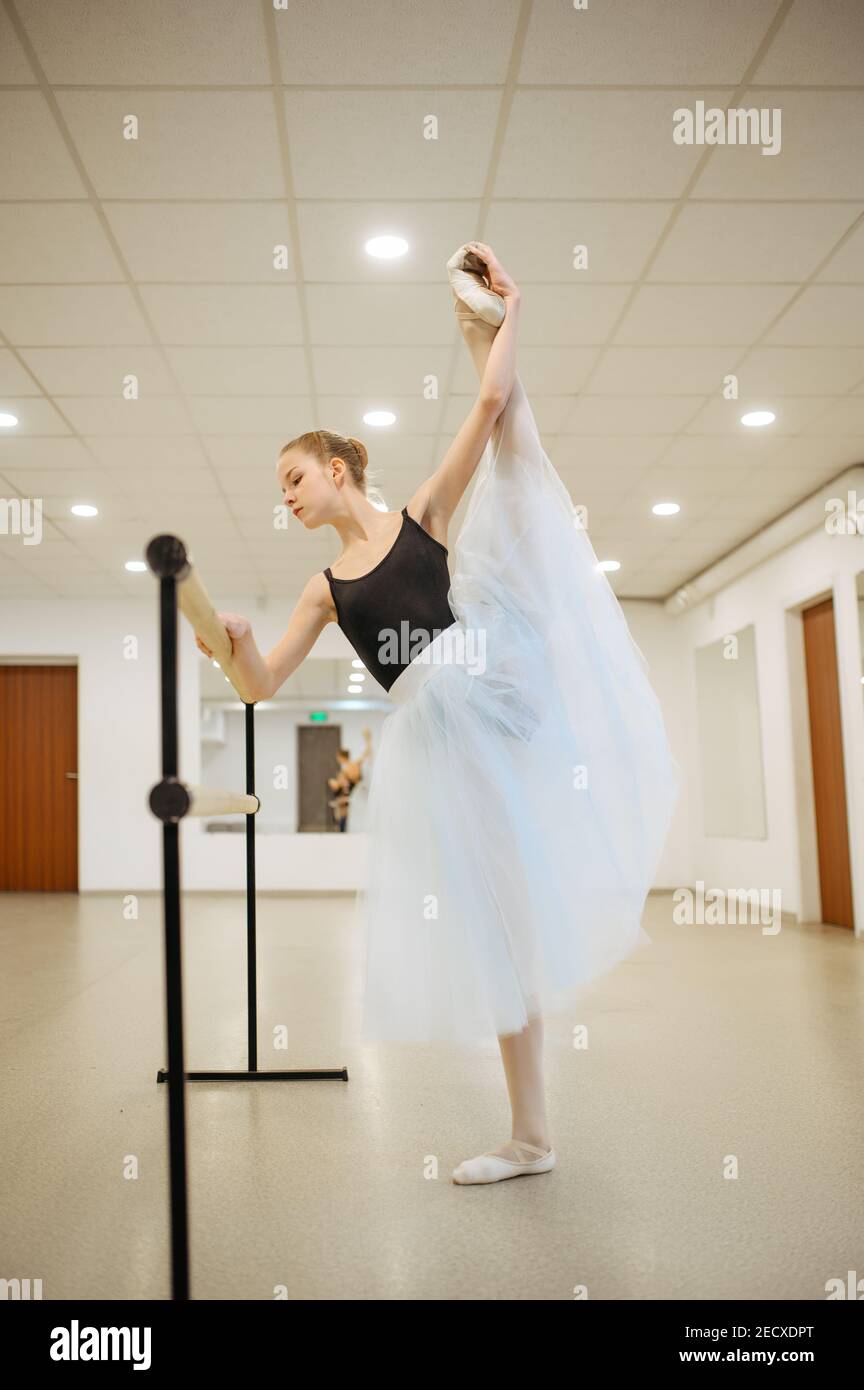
<point>167,557</point>
<point>170,800</point>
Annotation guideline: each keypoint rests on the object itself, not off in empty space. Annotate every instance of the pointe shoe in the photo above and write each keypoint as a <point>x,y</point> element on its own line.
<point>493,1168</point>
<point>467,285</point>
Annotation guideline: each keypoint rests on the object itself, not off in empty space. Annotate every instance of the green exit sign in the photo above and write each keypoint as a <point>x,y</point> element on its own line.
<point>319,716</point>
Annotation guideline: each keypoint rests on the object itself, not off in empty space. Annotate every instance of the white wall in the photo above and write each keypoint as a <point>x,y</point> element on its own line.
<point>119,839</point>
<point>769,596</point>
<point>661,639</point>
<point>120,845</point>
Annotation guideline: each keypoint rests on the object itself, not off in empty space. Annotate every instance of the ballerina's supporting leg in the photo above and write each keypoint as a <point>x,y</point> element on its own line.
<point>522,1055</point>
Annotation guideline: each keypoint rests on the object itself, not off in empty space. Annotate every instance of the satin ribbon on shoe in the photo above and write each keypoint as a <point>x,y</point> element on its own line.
<point>492,1168</point>
<point>468,287</point>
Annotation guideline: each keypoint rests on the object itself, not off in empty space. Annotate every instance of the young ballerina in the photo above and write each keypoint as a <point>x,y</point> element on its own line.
<point>526,737</point>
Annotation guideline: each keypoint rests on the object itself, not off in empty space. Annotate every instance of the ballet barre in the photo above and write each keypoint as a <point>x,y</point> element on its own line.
<point>172,801</point>
<point>195,605</point>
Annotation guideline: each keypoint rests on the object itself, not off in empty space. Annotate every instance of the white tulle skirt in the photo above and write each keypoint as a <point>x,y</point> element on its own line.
<point>523,786</point>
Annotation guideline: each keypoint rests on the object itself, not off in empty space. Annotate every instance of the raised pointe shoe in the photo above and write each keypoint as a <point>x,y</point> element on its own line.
<point>493,1168</point>
<point>465,269</point>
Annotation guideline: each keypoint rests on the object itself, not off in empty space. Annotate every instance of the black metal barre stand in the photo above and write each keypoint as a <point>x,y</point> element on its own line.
<point>170,800</point>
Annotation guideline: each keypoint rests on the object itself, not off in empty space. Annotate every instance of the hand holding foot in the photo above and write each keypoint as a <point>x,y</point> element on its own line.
<point>468,285</point>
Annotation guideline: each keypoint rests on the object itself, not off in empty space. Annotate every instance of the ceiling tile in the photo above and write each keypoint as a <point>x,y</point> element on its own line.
<point>789,371</point>
<point>407,42</point>
<point>224,314</point>
<point>704,315</point>
<point>34,160</point>
<point>817,44</point>
<point>668,41</point>
<point>333,235</point>
<point>595,145</point>
<point>821,134</point>
<point>71,315</point>
<point>204,242</point>
<point>368,143</point>
<point>196,42</point>
<point>715,242</point>
<point>99,371</point>
<point>630,414</point>
<point>825,316</point>
<point>185,143</point>
<point>240,371</point>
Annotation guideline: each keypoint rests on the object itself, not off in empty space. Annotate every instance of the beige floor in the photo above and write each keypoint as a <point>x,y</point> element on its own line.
<point>714,1041</point>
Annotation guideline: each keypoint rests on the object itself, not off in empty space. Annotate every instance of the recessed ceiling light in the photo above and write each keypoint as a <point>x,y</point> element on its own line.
<point>84,509</point>
<point>357,662</point>
<point>755,418</point>
<point>7,420</point>
<point>665,508</point>
<point>355,690</point>
<point>379,417</point>
<point>386,248</point>
<point>609,565</point>
<point>359,676</point>
<point>135,566</point>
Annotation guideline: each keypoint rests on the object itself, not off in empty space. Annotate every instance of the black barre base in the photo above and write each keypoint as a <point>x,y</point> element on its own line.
<point>338,1074</point>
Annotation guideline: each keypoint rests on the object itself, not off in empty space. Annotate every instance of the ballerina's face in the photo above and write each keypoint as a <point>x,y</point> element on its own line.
<point>307,488</point>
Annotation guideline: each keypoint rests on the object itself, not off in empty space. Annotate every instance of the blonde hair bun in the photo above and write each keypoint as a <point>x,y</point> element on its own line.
<point>361,451</point>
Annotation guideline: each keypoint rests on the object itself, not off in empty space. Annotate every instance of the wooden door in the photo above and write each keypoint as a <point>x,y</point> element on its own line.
<point>39,779</point>
<point>317,746</point>
<point>829,782</point>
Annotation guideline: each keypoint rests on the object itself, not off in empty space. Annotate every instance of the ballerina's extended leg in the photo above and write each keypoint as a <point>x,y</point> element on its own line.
<point>528,1150</point>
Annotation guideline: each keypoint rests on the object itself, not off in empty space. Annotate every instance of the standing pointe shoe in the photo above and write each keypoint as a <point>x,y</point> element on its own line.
<point>466,282</point>
<point>493,1168</point>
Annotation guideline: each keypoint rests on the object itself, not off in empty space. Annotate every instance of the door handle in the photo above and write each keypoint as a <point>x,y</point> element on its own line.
<point>73,776</point>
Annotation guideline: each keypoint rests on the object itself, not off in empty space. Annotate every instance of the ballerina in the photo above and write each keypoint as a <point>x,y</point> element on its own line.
<point>350,776</point>
<point>526,737</point>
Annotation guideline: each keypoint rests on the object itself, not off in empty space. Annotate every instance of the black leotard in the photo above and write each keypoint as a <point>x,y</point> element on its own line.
<point>396,609</point>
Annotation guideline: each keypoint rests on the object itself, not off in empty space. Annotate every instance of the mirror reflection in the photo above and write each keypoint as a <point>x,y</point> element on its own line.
<point>315,743</point>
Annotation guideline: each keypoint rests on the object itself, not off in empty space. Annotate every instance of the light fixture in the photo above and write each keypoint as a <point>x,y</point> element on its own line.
<point>355,690</point>
<point>665,508</point>
<point>358,663</point>
<point>135,566</point>
<point>84,509</point>
<point>609,565</point>
<point>359,676</point>
<point>7,420</point>
<point>379,418</point>
<point>755,418</point>
<point>386,248</point>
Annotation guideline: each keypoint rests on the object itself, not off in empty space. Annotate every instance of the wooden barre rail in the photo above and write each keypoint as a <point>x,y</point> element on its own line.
<point>172,800</point>
<point>207,802</point>
<point>195,605</point>
<point>167,557</point>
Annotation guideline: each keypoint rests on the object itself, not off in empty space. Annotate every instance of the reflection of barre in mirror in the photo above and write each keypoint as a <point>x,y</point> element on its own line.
<point>171,801</point>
